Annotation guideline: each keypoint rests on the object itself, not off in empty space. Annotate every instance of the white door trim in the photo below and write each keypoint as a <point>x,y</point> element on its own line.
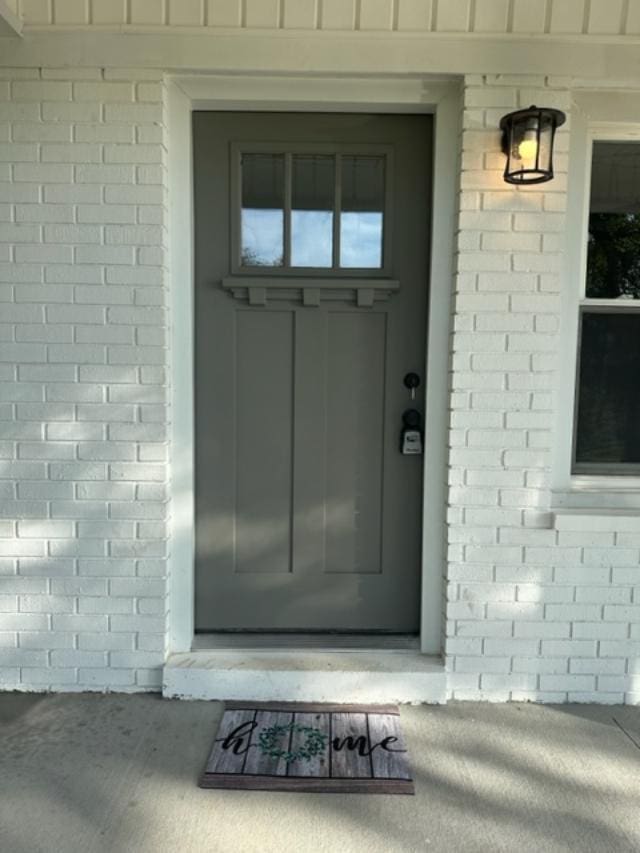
<point>233,92</point>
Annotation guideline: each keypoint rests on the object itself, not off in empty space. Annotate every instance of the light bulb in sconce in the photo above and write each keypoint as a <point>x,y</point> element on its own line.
<point>528,150</point>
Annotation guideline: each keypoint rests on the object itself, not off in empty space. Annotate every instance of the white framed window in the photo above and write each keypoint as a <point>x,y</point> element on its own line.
<point>596,462</point>
<point>607,406</point>
<point>313,209</point>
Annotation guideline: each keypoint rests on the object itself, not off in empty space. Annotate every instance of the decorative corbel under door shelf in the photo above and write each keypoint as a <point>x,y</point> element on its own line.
<point>311,291</point>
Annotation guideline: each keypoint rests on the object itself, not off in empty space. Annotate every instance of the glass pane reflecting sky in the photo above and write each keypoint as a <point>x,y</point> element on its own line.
<point>262,223</point>
<point>312,203</point>
<point>361,240</point>
<point>311,238</point>
<point>262,237</point>
<point>362,219</point>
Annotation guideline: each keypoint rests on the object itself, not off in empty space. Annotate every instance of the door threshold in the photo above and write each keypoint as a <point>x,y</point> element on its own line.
<point>306,675</point>
<point>265,641</point>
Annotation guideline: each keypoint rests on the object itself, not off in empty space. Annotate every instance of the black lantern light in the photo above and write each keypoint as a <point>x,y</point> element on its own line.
<point>527,140</point>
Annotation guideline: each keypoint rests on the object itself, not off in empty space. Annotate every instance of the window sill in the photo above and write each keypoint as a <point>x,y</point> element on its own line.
<point>608,483</point>
<point>598,494</point>
<point>600,520</point>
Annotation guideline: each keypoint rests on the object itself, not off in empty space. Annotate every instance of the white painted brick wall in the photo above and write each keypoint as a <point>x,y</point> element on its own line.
<point>83,423</point>
<point>538,608</point>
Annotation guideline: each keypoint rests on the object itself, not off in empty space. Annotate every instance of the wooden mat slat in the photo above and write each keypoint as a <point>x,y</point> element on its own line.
<point>391,764</point>
<point>257,763</point>
<point>228,761</point>
<point>347,763</point>
<point>318,766</point>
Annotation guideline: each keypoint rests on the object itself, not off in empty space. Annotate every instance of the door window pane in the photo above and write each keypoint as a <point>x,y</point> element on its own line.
<point>312,203</point>
<point>262,220</point>
<point>362,216</point>
<point>613,259</point>
<point>608,389</point>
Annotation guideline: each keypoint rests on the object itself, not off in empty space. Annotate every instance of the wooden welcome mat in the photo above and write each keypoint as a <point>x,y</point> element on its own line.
<point>284,746</point>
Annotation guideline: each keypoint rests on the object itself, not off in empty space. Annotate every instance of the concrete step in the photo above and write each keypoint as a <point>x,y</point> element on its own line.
<point>306,676</point>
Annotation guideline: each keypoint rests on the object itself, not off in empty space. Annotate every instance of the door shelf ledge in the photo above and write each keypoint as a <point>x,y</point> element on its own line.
<point>311,291</point>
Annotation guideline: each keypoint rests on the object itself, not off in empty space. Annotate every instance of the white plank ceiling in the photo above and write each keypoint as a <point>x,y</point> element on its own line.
<point>566,18</point>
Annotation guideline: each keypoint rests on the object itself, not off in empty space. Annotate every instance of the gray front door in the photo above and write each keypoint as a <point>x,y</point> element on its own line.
<point>311,294</point>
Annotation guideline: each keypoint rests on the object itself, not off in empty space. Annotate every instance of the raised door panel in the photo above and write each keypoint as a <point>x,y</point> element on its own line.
<point>354,441</point>
<point>263,450</point>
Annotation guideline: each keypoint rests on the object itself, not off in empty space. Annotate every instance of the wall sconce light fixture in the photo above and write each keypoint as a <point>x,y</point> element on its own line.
<point>527,140</point>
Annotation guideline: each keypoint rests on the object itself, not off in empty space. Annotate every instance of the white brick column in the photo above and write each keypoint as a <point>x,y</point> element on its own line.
<point>504,348</point>
<point>83,364</point>
<point>539,607</point>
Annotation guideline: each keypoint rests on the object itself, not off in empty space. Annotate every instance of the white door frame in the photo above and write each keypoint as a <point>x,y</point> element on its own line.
<point>439,97</point>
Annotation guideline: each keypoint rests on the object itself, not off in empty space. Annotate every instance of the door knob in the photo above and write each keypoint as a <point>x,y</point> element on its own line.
<point>412,381</point>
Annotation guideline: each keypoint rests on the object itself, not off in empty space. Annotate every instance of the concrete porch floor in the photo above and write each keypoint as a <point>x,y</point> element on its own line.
<point>117,773</point>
